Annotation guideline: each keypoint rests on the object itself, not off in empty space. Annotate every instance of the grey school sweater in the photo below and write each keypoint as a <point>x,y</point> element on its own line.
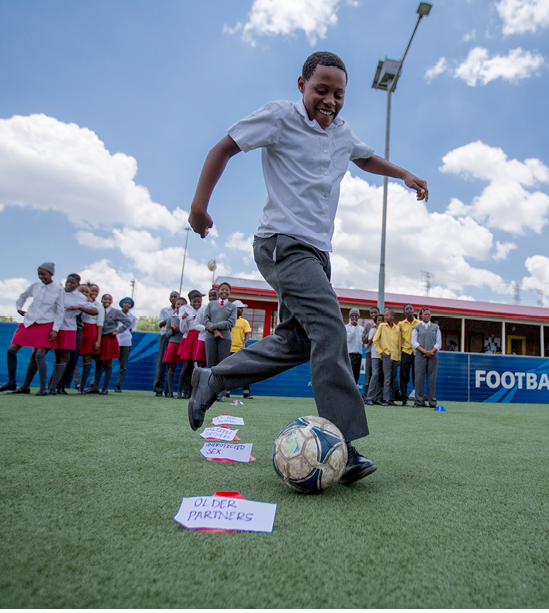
<point>222,318</point>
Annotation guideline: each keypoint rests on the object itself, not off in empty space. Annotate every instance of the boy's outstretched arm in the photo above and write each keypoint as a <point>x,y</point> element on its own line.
<point>377,165</point>
<point>212,170</point>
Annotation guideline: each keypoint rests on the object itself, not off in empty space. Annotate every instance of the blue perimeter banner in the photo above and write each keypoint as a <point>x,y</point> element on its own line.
<point>466,377</point>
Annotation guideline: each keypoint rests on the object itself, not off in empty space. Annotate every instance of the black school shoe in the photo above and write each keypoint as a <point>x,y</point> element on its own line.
<point>61,390</point>
<point>118,389</point>
<point>202,397</point>
<point>8,387</point>
<point>357,467</point>
<point>20,390</point>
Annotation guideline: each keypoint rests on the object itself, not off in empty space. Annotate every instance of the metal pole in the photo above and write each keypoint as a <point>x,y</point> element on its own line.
<point>184,258</point>
<point>390,89</point>
<point>381,292</point>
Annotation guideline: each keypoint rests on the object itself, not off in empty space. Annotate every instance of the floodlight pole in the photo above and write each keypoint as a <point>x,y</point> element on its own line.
<point>390,89</point>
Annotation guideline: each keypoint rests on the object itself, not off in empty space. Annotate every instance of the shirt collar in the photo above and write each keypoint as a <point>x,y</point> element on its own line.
<point>426,325</point>
<point>300,107</point>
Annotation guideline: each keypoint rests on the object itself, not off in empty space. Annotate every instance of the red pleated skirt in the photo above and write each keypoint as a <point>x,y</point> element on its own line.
<point>171,355</point>
<point>192,349</point>
<point>110,349</point>
<point>36,336</point>
<point>66,339</point>
<point>89,338</point>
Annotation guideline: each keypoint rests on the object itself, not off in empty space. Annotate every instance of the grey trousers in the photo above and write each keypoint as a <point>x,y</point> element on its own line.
<point>124,355</point>
<point>158,385</point>
<point>367,374</point>
<point>390,383</point>
<point>426,366</point>
<point>217,349</point>
<point>310,328</point>
<point>356,363</point>
<point>375,389</point>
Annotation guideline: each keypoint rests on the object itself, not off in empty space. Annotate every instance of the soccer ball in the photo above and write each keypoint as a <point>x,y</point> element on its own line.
<point>310,454</point>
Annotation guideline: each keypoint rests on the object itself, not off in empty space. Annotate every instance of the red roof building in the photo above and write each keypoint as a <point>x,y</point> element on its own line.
<point>466,325</point>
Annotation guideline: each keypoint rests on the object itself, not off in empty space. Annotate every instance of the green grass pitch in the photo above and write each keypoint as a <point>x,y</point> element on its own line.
<point>456,516</point>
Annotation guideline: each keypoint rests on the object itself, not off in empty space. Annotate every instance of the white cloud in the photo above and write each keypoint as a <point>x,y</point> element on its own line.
<point>416,240</point>
<point>520,16</point>
<point>480,69</point>
<point>538,267</point>
<point>470,36</point>
<point>503,250</point>
<point>434,71</point>
<point>10,290</point>
<point>505,203</point>
<point>50,165</point>
<point>285,17</point>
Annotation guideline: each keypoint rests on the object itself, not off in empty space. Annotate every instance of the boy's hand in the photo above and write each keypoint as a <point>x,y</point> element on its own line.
<point>419,185</point>
<point>200,222</point>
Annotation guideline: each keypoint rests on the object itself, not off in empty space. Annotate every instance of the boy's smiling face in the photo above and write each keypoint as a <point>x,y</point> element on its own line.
<point>323,94</point>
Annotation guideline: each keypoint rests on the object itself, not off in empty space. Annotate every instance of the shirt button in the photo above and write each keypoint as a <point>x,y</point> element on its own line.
<point>325,150</point>
<point>325,174</point>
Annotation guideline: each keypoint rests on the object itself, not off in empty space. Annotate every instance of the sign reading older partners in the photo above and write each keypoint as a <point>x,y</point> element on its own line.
<point>226,514</point>
<point>222,434</point>
<point>519,379</point>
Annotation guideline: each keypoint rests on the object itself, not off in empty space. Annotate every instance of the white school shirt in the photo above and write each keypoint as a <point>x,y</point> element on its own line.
<point>193,322</point>
<point>74,298</point>
<point>371,334</point>
<point>98,319</point>
<point>165,314</point>
<point>47,305</point>
<point>125,339</point>
<point>438,339</point>
<point>303,166</point>
<point>354,338</point>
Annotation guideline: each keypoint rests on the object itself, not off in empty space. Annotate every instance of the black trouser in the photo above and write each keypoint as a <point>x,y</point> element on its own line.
<point>356,363</point>
<point>72,361</point>
<point>160,365</point>
<point>406,364</point>
<point>367,374</point>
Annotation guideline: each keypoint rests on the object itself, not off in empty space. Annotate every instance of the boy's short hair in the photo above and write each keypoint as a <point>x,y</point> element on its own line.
<point>74,276</point>
<point>226,284</point>
<point>324,58</point>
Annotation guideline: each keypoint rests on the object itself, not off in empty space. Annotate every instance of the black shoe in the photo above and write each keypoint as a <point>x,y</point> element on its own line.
<point>50,393</point>
<point>81,391</point>
<point>158,394</point>
<point>357,467</point>
<point>392,403</point>
<point>118,389</point>
<point>384,403</point>
<point>169,395</point>
<point>248,397</point>
<point>104,392</point>
<point>228,395</point>
<point>221,398</point>
<point>8,387</point>
<point>417,405</point>
<point>202,397</point>
<point>369,403</point>
<point>20,390</point>
<point>61,390</point>
<point>404,403</point>
<point>42,393</point>
<point>186,395</point>
<point>90,390</point>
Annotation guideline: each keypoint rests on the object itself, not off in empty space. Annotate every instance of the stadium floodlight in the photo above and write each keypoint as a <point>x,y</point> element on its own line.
<point>386,78</point>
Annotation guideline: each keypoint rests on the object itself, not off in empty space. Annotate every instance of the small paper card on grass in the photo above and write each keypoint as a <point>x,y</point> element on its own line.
<point>227,451</point>
<point>227,420</point>
<point>222,434</point>
<point>226,514</point>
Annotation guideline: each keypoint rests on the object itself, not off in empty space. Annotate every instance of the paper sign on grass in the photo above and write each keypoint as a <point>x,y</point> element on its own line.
<point>227,451</point>
<point>226,514</point>
<point>224,434</point>
<point>227,420</point>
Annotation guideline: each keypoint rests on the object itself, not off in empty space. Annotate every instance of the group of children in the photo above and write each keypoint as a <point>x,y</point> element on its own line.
<point>71,322</point>
<point>411,343</point>
<point>193,334</point>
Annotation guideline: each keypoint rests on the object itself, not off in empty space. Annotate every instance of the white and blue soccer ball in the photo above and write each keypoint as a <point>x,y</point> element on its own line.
<point>310,454</point>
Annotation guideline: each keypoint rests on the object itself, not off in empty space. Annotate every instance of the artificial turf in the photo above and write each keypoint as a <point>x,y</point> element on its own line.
<point>456,516</point>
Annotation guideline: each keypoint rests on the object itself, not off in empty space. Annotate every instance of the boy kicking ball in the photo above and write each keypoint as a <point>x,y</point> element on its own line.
<point>306,148</point>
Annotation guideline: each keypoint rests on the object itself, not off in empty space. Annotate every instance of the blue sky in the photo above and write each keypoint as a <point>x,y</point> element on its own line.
<point>108,109</point>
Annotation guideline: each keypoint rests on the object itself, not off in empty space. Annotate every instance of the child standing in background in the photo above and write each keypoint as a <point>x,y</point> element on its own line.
<point>125,341</point>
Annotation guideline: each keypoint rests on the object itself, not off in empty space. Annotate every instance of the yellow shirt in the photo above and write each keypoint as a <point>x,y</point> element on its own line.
<point>238,333</point>
<point>406,332</point>
<point>387,341</point>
